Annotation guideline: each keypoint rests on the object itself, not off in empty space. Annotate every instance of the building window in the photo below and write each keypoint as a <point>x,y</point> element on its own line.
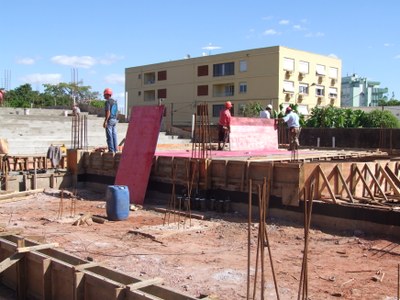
<point>332,92</point>
<point>333,73</point>
<point>202,70</point>
<point>288,86</point>
<point>202,90</point>
<point>139,93</point>
<point>224,90</point>
<point>224,69</point>
<point>149,78</point>
<point>304,67</point>
<point>162,93</point>
<point>243,66</point>
<point>149,95</point>
<point>288,64</point>
<point>139,76</point>
<point>320,70</point>
<point>216,109</point>
<point>303,88</point>
<point>320,90</point>
<point>162,75</point>
<point>243,88</point>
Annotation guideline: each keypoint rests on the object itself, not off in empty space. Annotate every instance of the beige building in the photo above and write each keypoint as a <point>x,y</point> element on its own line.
<point>274,75</point>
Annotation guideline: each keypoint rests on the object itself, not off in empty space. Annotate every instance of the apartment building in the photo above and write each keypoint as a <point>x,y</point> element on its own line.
<point>273,75</point>
<point>360,92</point>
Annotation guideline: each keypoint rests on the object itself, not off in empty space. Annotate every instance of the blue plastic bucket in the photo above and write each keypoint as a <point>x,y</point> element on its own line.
<point>117,202</point>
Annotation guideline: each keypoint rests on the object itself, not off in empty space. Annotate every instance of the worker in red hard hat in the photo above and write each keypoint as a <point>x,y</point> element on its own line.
<point>224,125</point>
<point>111,120</point>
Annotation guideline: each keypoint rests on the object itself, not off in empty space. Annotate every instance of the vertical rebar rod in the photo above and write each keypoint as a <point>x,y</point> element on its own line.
<point>249,240</point>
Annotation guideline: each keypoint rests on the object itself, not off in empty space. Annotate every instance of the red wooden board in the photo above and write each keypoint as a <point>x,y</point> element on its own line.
<point>253,134</point>
<point>138,152</point>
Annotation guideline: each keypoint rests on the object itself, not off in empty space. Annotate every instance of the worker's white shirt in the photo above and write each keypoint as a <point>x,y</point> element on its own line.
<point>265,114</point>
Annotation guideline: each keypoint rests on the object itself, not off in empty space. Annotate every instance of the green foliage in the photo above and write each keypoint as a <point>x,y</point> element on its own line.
<point>334,117</point>
<point>251,109</point>
<point>391,102</point>
<point>62,94</point>
<point>381,118</point>
<point>22,96</point>
<point>97,103</point>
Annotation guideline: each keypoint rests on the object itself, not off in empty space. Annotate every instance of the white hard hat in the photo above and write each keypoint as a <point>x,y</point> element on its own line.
<point>269,106</point>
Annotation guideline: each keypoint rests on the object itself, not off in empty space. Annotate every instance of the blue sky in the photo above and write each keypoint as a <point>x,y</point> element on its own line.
<point>46,41</point>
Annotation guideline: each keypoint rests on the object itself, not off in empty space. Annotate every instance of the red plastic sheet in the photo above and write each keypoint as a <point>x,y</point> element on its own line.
<point>138,152</point>
<point>253,134</point>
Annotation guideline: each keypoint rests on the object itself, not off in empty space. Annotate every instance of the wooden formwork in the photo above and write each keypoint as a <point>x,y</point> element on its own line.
<point>375,181</point>
<point>230,175</point>
<point>39,271</point>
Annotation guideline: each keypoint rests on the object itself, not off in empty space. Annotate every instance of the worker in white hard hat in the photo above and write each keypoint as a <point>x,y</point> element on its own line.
<point>266,114</point>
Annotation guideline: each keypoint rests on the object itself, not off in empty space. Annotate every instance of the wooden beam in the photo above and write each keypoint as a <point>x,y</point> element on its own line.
<point>375,181</point>
<point>9,261</point>
<point>327,183</point>
<point>365,183</point>
<point>36,247</point>
<point>340,176</point>
<point>144,283</point>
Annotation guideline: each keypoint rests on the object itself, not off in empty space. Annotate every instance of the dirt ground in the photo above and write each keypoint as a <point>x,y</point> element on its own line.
<point>210,257</point>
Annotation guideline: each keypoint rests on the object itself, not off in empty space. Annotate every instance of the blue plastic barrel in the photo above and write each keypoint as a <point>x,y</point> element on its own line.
<point>117,202</point>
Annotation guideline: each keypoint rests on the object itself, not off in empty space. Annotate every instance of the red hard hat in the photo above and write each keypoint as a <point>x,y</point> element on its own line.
<point>107,91</point>
<point>228,104</point>
<point>288,109</point>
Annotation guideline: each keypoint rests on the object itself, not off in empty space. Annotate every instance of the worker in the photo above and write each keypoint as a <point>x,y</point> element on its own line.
<point>266,114</point>
<point>224,125</point>
<point>76,111</point>
<point>292,120</point>
<point>110,121</point>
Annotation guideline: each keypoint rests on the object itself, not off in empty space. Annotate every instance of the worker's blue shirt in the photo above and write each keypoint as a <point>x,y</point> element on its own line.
<point>292,119</point>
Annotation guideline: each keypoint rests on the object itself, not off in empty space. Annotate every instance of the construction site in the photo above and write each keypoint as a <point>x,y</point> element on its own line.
<point>254,221</point>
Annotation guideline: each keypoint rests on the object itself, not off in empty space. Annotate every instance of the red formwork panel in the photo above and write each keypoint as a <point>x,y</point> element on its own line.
<point>253,134</point>
<point>138,152</point>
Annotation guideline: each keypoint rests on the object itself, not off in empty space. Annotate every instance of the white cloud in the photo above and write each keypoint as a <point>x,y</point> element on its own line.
<point>25,61</point>
<point>284,22</point>
<point>115,79</point>
<point>298,27</point>
<point>110,59</point>
<point>211,47</point>
<point>333,55</point>
<point>387,44</point>
<point>397,56</point>
<point>38,78</point>
<point>270,32</point>
<point>85,62</point>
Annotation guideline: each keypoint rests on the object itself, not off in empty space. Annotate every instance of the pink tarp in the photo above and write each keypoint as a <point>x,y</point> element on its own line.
<point>253,134</point>
<point>138,152</point>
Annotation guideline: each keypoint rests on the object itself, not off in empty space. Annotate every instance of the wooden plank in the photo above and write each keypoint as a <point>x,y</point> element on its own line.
<point>377,185</point>
<point>10,261</point>
<point>321,172</point>
<point>141,284</point>
<point>36,247</point>
<point>346,187</point>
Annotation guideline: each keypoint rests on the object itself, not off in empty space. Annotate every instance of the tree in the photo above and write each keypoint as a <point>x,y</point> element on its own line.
<point>381,119</point>
<point>23,96</point>
<point>251,109</point>
<point>334,117</point>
